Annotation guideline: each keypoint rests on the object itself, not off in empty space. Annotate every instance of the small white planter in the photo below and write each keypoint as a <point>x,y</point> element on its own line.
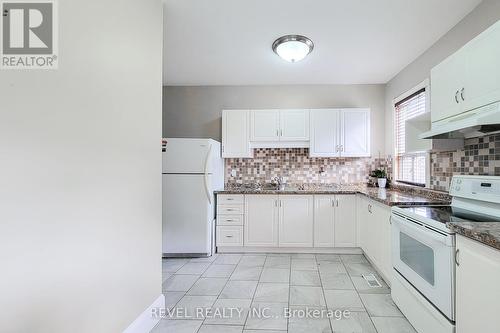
<point>382,182</point>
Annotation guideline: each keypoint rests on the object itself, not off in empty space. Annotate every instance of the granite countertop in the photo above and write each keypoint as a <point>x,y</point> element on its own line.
<point>487,233</point>
<point>389,197</point>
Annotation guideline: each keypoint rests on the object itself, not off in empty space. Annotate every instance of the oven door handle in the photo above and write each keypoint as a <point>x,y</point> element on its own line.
<point>419,229</point>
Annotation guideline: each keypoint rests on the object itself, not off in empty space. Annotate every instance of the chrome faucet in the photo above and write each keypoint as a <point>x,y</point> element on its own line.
<point>278,180</point>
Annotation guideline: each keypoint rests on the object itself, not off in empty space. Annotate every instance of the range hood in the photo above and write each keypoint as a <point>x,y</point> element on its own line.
<point>474,123</point>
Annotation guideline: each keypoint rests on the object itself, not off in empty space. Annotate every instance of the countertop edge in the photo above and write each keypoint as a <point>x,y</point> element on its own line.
<point>419,200</point>
<point>482,236</point>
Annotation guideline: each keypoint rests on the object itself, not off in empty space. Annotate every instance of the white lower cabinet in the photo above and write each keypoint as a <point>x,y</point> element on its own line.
<point>229,236</point>
<point>374,232</point>
<point>261,220</point>
<point>324,219</point>
<point>345,221</point>
<point>477,287</point>
<point>296,220</point>
<point>335,221</point>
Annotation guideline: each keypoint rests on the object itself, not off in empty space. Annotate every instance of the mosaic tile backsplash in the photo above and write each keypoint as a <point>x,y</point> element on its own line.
<point>295,165</point>
<point>480,156</point>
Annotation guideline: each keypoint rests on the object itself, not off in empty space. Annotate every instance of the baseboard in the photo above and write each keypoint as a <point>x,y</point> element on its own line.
<point>146,321</point>
<point>326,250</point>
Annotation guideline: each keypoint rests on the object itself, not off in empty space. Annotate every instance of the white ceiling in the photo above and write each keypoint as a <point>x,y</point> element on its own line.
<point>228,42</point>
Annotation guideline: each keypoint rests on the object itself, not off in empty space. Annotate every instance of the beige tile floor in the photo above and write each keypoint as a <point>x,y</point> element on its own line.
<point>273,283</point>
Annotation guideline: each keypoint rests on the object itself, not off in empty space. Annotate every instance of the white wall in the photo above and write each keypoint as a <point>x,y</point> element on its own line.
<point>484,15</point>
<point>196,111</point>
<point>80,174</point>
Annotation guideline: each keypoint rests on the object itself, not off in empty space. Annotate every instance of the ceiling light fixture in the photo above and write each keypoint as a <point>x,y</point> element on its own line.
<point>293,48</point>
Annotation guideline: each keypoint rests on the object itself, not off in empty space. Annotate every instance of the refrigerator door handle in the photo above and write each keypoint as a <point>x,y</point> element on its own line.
<point>207,159</point>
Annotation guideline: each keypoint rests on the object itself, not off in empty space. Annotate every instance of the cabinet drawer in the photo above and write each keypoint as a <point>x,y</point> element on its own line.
<point>223,199</point>
<point>230,209</point>
<point>229,219</point>
<point>229,236</point>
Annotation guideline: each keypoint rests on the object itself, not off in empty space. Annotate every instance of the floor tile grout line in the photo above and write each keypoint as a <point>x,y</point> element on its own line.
<point>364,305</point>
<point>324,297</point>
<point>218,296</point>
<point>255,291</point>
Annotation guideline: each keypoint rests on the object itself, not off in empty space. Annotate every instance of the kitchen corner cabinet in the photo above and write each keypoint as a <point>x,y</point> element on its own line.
<point>374,233</point>
<point>236,134</point>
<point>335,221</point>
<point>469,78</point>
<point>296,220</point>
<point>339,133</point>
<point>477,287</point>
<point>261,220</point>
<point>279,125</point>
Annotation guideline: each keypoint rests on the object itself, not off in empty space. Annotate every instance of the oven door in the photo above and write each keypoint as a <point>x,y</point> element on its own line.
<point>425,257</point>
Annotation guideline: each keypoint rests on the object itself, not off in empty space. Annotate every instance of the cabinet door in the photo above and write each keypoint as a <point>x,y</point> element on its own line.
<point>345,221</point>
<point>482,71</point>
<point>324,135</point>
<point>355,132</point>
<point>446,82</point>
<point>235,133</point>
<point>265,125</point>
<point>294,125</point>
<point>324,221</point>
<point>296,221</point>
<point>383,254</point>
<point>261,220</point>
<point>361,220</point>
<point>477,287</point>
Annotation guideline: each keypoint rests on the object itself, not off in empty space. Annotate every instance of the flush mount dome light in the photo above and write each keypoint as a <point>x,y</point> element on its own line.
<point>293,48</point>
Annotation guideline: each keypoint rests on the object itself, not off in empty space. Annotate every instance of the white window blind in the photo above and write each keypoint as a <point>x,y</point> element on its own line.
<point>410,168</point>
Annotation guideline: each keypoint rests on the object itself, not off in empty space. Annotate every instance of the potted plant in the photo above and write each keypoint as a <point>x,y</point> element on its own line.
<point>381,176</point>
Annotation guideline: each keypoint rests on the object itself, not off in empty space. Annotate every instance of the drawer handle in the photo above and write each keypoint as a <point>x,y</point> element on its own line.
<point>456,257</point>
<point>229,220</point>
<point>229,236</point>
<point>229,209</point>
<point>229,199</point>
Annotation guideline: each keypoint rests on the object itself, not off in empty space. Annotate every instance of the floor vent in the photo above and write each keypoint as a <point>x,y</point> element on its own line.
<point>372,281</point>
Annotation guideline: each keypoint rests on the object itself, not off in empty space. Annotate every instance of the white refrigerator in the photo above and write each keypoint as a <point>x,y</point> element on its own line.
<point>192,170</point>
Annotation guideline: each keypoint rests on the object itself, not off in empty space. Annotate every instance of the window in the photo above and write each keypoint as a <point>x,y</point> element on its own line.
<point>409,167</point>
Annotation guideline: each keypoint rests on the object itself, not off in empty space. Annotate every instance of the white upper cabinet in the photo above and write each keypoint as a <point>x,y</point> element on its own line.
<point>294,125</point>
<point>265,125</point>
<point>326,132</point>
<point>324,135</point>
<point>354,132</point>
<point>482,80</point>
<point>296,220</point>
<point>446,82</point>
<point>469,78</point>
<point>279,126</point>
<point>339,132</point>
<point>236,133</point>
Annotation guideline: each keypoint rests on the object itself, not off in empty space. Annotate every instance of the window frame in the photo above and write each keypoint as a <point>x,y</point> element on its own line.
<point>422,85</point>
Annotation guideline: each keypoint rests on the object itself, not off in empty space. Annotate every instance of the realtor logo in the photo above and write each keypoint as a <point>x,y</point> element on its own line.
<point>29,34</point>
